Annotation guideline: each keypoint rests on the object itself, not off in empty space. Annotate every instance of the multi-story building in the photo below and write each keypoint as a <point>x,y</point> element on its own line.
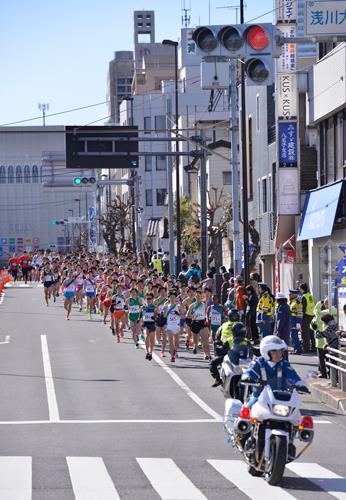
<point>323,223</point>
<point>32,161</point>
<point>119,82</point>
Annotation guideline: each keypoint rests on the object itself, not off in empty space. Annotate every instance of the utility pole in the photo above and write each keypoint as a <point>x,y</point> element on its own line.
<point>234,166</point>
<point>244,164</point>
<point>203,209</point>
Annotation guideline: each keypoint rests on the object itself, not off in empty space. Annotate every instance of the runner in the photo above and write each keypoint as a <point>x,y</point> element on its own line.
<point>13,264</point>
<point>149,313</point>
<point>216,315</point>
<point>161,320</point>
<point>25,265</point>
<point>134,308</point>
<point>69,286</point>
<point>118,312</point>
<point>79,281</point>
<point>47,280</point>
<point>173,312</point>
<point>197,313</point>
<point>90,289</point>
<point>190,299</point>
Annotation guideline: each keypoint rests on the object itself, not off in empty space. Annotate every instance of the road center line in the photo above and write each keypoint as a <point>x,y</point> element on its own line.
<point>51,397</point>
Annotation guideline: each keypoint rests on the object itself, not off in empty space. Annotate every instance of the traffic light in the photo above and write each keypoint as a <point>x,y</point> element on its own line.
<point>83,181</point>
<point>57,222</point>
<point>256,44</point>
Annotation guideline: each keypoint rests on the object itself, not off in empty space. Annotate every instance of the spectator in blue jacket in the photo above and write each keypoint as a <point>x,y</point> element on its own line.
<point>282,318</point>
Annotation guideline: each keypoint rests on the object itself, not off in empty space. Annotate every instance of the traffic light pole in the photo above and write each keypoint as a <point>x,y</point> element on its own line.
<point>234,166</point>
<point>203,208</point>
<point>246,269</point>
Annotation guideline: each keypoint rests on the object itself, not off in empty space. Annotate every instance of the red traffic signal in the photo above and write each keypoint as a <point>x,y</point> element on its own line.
<point>257,37</point>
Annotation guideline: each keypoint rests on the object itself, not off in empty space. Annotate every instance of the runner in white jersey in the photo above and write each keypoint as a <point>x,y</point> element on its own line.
<point>90,288</point>
<point>69,286</point>
<point>79,283</point>
<point>174,311</point>
<point>197,313</point>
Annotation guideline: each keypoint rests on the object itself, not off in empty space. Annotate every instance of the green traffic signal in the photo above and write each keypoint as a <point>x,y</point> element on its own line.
<point>53,221</point>
<point>77,181</point>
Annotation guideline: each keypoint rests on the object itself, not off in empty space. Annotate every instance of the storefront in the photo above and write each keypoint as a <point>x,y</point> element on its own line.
<point>323,224</point>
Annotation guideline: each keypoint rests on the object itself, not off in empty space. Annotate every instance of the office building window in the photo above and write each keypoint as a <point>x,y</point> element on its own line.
<point>147,124</point>
<point>26,174</point>
<point>264,196</point>
<point>35,174</point>
<point>161,195</point>
<point>160,163</point>
<point>226,178</point>
<point>160,122</point>
<point>149,197</point>
<point>2,175</point>
<point>148,163</point>
<point>120,81</point>
<point>19,178</point>
<point>10,175</point>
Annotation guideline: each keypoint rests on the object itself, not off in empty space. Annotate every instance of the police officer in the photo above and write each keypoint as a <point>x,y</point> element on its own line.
<point>225,331</point>
<point>308,304</point>
<point>265,310</point>
<point>296,319</point>
<point>237,346</point>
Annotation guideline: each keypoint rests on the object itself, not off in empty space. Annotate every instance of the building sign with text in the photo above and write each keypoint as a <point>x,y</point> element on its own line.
<point>288,144</point>
<point>287,96</point>
<point>325,17</point>
<point>286,10</point>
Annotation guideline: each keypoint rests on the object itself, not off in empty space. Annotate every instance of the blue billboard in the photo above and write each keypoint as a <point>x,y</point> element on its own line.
<point>288,144</point>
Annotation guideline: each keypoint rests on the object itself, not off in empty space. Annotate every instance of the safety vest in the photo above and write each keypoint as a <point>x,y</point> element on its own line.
<point>226,331</point>
<point>296,308</point>
<point>232,341</point>
<point>310,304</point>
<point>265,304</point>
<point>157,264</point>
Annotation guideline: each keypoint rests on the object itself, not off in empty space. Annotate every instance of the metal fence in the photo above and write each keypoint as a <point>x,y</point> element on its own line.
<point>336,360</point>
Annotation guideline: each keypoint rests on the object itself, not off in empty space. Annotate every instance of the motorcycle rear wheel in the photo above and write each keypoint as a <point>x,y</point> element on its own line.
<point>276,466</point>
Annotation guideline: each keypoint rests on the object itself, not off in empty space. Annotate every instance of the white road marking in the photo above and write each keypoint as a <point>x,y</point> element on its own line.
<point>255,488</point>
<point>51,397</point>
<point>7,340</point>
<point>114,421</point>
<point>168,480</point>
<point>15,478</point>
<point>323,478</point>
<point>186,388</point>
<point>90,479</point>
<point>40,285</point>
<point>2,296</point>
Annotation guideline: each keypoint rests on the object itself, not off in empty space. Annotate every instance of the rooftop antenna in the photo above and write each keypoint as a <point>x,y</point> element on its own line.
<point>233,7</point>
<point>185,18</point>
<point>43,107</point>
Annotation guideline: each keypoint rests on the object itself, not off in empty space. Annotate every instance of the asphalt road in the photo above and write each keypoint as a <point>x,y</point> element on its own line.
<point>82,417</point>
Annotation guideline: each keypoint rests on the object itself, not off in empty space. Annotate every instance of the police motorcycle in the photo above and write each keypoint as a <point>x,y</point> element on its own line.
<point>235,362</point>
<point>267,433</point>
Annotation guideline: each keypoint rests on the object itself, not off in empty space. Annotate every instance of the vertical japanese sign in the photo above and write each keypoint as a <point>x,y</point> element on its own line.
<point>286,10</point>
<point>288,144</point>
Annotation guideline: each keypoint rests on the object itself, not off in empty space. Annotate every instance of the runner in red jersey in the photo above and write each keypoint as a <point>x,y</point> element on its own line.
<point>13,264</point>
<point>25,265</point>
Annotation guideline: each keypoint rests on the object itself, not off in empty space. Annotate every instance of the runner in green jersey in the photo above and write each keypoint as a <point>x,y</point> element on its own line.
<point>134,308</point>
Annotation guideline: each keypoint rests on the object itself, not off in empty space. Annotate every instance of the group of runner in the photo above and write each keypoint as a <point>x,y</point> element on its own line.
<point>131,296</point>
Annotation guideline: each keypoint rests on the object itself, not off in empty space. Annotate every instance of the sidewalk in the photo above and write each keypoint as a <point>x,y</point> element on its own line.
<point>322,391</point>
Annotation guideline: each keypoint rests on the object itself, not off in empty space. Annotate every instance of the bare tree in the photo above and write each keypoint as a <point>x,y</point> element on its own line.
<point>114,223</point>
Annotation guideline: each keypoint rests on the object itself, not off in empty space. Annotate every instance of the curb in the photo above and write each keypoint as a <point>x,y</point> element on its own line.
<point>323,392</point>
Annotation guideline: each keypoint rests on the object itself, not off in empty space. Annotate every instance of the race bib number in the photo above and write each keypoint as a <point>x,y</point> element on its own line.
<point>215,318</point>
<point>134,309</point>
<point>148,317</point>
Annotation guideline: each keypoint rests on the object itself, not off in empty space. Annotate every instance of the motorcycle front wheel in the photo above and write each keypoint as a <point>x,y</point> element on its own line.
<point>277,461</point>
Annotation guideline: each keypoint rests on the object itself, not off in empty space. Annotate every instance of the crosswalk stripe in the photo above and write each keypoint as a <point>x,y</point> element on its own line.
<point>327,480</point>
<point>256,488</point>
<point>15,478</point>
<point>90,479</point>
<point>168,480</point>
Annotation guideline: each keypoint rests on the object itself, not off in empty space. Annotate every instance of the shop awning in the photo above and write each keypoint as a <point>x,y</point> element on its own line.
<point>319,212</point>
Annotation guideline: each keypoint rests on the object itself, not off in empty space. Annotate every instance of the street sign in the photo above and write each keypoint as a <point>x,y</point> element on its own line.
<point>101,147</point>
<point>52,245</point>
<point>323,17</point>
<point>12,241</point>
<point>286,10</point>
<point>4,241</point>
<point>288,144</point>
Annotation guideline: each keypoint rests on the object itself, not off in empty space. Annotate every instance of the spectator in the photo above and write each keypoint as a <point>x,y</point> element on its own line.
<point>224,287</point>
<point>240,294</point>
<point>209,282</point>
<point>251,300</point>
<point>230,304</point>
<point>194,273</point>
<point>282,318</point>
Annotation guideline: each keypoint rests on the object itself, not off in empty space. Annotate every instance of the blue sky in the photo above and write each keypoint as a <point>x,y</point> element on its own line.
<point>57,51</point>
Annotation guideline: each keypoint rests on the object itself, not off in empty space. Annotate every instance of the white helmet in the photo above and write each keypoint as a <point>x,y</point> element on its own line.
<point>271,343</point>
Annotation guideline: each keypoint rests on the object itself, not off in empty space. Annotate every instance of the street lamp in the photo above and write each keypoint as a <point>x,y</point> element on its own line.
<point>174,44</point>
<point>71,210</point>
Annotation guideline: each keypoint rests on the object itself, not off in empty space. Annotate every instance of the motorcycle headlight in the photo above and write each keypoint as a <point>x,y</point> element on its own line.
<point>281,410</point>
